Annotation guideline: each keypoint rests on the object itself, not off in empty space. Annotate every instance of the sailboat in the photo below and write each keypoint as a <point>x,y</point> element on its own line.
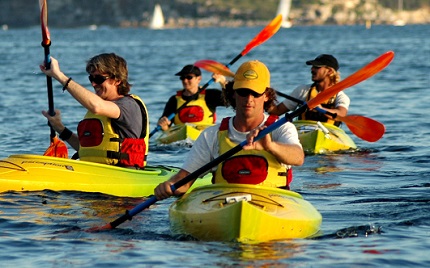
<point>284,9</point>
<point>399,21</point>
<point>157,21</point>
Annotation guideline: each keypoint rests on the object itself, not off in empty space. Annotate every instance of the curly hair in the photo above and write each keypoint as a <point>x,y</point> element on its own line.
<point>112,65</point>
<point>229,100</point>
<point>335,76</point>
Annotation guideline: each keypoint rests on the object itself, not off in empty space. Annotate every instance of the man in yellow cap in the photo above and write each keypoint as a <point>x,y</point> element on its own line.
<point>267,161</point>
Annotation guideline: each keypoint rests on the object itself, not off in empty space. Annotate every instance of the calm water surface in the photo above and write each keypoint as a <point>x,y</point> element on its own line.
<point>375,203</point>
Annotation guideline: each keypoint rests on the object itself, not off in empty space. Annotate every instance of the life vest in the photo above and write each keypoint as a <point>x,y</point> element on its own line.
<point>195,111</point>
<point>101,144</point>
<point>315,115</point>
<point>257,167</point>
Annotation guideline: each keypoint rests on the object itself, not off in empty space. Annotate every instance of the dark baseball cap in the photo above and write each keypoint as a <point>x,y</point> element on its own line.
<point>189,69</point>
<point>324,60</point>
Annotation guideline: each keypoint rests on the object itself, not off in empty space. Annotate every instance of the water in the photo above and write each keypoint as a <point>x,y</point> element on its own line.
<point>375,203</point>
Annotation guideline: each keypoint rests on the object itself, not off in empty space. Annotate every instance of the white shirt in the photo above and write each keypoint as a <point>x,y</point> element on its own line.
<point>206,147</point>
<point>301,92</point>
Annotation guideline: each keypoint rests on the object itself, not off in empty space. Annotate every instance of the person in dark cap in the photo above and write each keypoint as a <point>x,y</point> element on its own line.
<point>192,104</point>
<point>325,73</point>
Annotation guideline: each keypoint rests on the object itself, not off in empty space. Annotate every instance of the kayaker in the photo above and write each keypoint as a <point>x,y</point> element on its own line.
<point>325,73</point>
<point>267,161</point>
<point>115,128</point>
<point>200,105</point>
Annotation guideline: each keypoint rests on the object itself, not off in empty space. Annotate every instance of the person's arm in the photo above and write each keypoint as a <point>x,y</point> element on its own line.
<point>163,190</point>
<point>219,78</point>
<point>289,154</point>
<point>200,154</point>
<point>86,98</point>
<point>342,104</point>
<point>169,108</point>
<point>339,111</point>
<point>214,99</point>
<point>57,125</point>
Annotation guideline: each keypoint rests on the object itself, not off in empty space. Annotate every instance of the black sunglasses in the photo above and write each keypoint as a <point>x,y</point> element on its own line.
<point>98,79</point>
<point>188,77</point>
<point>246,92</point>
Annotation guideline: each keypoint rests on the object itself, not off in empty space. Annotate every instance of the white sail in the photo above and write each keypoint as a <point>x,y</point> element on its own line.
<point>157,21</point>
<point>399,21</point>
<point>284,9</point>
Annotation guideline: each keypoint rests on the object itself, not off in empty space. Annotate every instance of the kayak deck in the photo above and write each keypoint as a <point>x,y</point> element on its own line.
<point>322,138</point>
<point>185,132</point>
<point>243,213</point>
<point>27,172</point>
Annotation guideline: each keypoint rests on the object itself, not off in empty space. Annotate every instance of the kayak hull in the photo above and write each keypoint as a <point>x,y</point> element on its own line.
<point>243,213</point>
<point>185,132</point>
<point>322,138</point>
<point>28,172</point>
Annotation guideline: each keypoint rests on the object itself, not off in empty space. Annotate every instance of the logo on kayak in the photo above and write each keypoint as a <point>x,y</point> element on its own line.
<point>49,164</point>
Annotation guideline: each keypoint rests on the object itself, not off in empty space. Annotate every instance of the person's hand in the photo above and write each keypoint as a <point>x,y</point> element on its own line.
<point>164,123</point>
<point>219,78</point>
<point>54,70</point>
<point>55,120</point>
<point>163,190</point>
<point>261,144</point>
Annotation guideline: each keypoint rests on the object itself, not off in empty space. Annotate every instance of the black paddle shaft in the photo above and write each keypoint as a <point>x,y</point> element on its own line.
<point>51,110</point>
<point>333,115</point>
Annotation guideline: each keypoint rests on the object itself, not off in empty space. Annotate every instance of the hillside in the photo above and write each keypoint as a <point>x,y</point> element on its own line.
<point>203,13</point>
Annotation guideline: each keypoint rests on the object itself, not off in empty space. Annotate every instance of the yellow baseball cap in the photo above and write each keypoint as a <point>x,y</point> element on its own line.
<point>252,75</point>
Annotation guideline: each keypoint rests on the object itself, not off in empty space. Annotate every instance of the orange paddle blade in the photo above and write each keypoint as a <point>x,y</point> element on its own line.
<point>364,73</point>
<point>264,35</point>
<point>57,149</point>
<point>364,127</point>
<point>44,22</point>
<point>214,67</point>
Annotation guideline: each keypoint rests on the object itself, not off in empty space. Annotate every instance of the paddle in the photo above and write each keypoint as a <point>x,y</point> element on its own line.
<point>364,73</point>
<point>260,38</point>
<point>57,147</point>
<point>363,127</point>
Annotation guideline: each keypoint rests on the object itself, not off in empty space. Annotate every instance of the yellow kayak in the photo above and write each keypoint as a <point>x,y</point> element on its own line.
<point>243,213</point>
<point>186,132</point>
<point>322,138</point>
<point>35,173</point>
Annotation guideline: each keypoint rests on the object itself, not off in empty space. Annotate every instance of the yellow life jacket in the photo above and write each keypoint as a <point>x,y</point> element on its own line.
<point>315,115</point>
<point>101,144</point>
<point>257,167</point>
<point>195,111</point>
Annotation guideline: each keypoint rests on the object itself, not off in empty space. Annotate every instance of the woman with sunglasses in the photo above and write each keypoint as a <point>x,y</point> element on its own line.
<point>265,162</point>
<point>192,104</point>
<point>115,128</point>
<point>325,74</point>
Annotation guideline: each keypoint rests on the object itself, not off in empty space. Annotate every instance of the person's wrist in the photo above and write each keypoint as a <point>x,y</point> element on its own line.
<point>66,134</point>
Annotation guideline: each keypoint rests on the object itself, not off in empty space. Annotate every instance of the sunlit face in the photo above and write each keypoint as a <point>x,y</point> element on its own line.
<point>319,73</point>
<point>107,89</point>
<point>249,103</point>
